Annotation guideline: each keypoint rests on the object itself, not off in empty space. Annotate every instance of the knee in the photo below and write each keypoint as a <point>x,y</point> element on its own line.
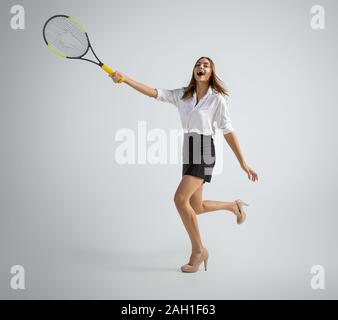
<point>180,199</point>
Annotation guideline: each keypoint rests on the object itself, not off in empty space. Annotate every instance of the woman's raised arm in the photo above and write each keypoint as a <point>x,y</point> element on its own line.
<point>118,77</point>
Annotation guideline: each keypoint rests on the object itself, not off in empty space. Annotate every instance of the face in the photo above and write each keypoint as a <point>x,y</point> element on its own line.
<point>202,70</point>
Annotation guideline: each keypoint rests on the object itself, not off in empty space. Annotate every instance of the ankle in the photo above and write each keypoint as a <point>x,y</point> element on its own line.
<point>234,208</point>
<point>197,251</point>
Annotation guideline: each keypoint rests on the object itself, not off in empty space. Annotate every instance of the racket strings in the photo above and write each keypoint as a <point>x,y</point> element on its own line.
<point>66,36</point>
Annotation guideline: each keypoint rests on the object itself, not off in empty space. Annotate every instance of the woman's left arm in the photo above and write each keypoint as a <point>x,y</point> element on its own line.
<point>233,142</point>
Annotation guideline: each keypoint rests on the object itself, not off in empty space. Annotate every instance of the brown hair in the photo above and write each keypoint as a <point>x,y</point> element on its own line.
<point>215,82</point>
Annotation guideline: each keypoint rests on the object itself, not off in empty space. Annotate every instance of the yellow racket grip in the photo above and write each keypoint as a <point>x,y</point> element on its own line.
<point>107,69</point>
<point>110,72</point>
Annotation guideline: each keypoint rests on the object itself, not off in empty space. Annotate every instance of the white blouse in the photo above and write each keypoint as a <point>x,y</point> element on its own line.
<point>210,113</point>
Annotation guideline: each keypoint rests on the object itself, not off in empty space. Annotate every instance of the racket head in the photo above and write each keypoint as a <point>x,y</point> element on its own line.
<point>66,37</point>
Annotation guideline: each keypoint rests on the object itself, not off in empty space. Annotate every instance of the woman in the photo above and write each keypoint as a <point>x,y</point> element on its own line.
<point>202,106</point>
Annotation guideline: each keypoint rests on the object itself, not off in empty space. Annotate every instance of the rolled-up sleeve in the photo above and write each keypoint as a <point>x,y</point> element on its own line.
<point>169,95</point>
<point>222,116</point>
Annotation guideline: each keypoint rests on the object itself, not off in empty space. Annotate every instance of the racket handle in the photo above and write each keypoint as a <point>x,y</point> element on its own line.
<point>107,69</point>
<point>110,71</point>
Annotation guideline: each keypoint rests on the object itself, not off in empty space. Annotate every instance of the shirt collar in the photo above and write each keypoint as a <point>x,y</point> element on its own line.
<point>210,90</point>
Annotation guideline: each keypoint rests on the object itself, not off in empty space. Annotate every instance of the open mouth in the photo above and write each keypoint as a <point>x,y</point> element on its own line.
<point>201,73</point>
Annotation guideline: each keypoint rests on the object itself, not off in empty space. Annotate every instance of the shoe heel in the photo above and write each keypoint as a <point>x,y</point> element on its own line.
<point>205,264</point>
<point>243,203</point>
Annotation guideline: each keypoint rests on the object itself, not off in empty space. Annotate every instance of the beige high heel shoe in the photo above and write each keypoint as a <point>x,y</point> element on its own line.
<point>242,215</point>
<point>194,268</point>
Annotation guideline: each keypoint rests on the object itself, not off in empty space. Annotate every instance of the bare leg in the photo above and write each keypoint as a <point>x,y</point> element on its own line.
<point>203,206</point>
<point>211,205</point>
<point>188,185</point>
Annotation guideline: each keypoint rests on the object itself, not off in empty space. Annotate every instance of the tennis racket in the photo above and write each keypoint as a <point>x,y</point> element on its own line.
<point>67,38</point>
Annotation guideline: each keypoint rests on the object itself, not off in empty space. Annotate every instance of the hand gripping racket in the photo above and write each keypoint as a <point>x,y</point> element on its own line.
<point>67,38</point>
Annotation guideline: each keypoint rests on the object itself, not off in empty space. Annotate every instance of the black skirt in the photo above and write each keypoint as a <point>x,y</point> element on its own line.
<point>198,156</point>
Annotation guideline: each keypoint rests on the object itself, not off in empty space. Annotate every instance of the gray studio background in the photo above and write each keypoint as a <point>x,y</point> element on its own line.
<point>84,226</point>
